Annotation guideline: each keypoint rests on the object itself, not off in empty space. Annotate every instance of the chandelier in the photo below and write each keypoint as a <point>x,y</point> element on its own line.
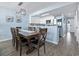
<point>21,11</point>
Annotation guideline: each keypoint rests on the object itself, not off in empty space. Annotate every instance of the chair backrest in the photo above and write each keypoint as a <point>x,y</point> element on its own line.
<point>13,33</point>
<point>18,27</point>
<point>43,32</point>
<point>16,33</point>
<point>41,36</point>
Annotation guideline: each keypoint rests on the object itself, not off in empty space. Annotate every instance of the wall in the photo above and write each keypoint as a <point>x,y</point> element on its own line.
<point>42,20</point>
<point>5,26</point>
<point>72,25</point>
<point>76,23</point>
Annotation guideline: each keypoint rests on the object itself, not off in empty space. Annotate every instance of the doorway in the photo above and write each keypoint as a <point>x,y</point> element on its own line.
<point>68,25</point>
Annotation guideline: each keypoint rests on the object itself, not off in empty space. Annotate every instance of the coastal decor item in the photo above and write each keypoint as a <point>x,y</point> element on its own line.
<point>9,18</point>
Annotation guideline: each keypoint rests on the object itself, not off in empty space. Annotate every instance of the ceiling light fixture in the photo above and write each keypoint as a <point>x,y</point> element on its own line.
<point>21,10</point>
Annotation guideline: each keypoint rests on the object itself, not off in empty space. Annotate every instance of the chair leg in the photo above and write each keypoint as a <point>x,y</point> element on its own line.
<point>38,51</point>
<point>13,42</point>
<point>17,45</point>
<point>20,49</point>
<point>44,48</point>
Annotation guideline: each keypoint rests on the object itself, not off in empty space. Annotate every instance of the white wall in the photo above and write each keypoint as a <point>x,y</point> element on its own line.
<point>76,23</point>
<point>5,26</point>
<point>72,25</point>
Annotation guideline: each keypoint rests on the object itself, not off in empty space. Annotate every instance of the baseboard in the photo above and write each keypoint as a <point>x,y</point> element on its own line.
<point>56,43</point>
<point>5,39</point>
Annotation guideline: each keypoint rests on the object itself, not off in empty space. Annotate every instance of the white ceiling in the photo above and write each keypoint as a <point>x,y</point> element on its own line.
<point>11,5</point>
<point>35,6</point>
<point>31,6</point>
<point>67,11</point>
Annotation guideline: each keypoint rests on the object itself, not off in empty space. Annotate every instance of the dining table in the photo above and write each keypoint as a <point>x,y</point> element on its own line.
<point>28,35</point>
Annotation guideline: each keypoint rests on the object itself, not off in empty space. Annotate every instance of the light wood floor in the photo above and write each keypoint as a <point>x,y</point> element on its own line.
<point>66,47</point>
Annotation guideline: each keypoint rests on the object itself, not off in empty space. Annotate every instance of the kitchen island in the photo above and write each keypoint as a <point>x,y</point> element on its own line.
<point>52,33</point>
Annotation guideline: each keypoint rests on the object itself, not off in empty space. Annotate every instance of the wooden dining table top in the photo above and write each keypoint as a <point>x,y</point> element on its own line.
<point>27,33</point>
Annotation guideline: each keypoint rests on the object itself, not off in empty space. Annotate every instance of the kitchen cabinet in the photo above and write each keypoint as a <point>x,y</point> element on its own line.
<point>53,34</point>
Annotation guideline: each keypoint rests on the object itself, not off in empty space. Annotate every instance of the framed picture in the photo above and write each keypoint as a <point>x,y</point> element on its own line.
<point>9,18</point>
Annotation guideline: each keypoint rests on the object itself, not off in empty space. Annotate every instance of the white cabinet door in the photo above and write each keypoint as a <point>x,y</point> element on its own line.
<point>52,34</point>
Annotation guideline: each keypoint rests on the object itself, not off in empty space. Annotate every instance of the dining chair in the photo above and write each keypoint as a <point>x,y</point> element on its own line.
<point>43,32</point>
<point>13,36</point>
<point>17,39</point>
<point>41,38</point>
<point>20,41</point>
